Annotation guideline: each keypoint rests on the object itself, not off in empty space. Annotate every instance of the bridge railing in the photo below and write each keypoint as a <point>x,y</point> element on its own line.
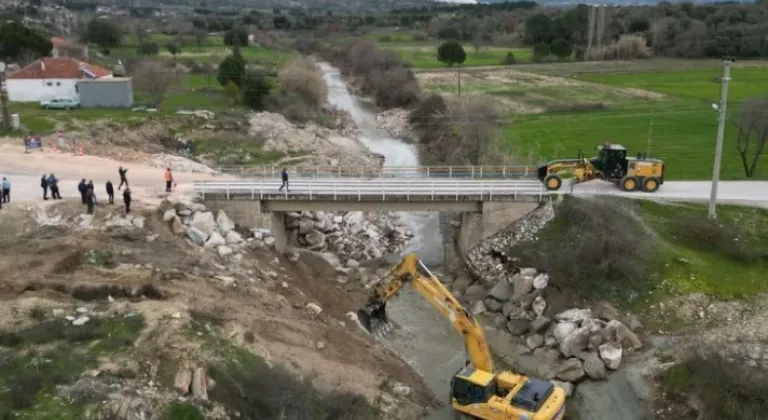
<point>469,172</point>
<point>381,189</point>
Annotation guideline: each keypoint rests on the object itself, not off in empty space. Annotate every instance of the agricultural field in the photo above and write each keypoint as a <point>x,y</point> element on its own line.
<point>555,110</point>
<point>423,55</point>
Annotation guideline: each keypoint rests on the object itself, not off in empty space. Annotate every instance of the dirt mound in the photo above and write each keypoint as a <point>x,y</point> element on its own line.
<point>200,316</point>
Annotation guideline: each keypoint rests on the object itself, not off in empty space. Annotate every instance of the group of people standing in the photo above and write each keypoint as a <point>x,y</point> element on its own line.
<point>88,194</point>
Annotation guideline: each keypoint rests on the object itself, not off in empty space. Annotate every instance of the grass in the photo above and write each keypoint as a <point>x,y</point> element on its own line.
<point>206,54</point>
<point>246,384</point>
<point>423,55</point>
<point>237,150</point>
<point>37,359</point>
<point>681,127</point>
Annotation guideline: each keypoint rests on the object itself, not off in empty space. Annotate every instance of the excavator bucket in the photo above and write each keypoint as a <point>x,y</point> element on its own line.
<point>373,319</point>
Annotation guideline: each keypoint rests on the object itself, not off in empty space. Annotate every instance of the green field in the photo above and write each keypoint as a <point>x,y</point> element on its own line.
<point>681,126</point>
<point>424,54</point>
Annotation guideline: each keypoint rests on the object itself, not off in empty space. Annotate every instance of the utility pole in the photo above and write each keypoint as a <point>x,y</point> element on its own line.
<point>720,133</point>
<point>4,98</point>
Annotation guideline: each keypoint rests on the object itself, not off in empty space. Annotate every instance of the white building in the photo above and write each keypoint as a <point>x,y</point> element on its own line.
<point>50,78</point>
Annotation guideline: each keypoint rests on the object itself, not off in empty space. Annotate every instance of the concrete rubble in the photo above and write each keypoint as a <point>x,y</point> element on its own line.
<point>350,235</point>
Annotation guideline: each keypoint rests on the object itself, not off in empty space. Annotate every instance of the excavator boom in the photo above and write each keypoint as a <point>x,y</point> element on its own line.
<point>373,316</point>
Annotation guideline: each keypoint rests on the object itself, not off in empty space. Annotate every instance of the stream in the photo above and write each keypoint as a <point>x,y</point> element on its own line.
<point>422,337</point>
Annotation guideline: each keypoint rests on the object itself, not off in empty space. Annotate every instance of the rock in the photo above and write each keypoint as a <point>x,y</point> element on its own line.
<point>352,263</point>
<point>152,238</point>
<point>576,342</point>
<point>567,387</point>
<point>475,292</point>
<point>199,384</point>
<point>82,310</point>
<point>320,345</point>
<point>315,239</point>
<point>401,389</point>
<point>225,251</point>
<point>204,222</point>
<point>169,215</point>
<point>501,291</point>
<point>570,370</point>
<point>593,325</point>
<point>562,330</point>
<point>225,223</point>
<point>196,235</point>
<point>522,285</point>
<point>611,354</point>
<point>534,341</point>
<point>624,336</point>
<point>478,308</point>
<point>69,318</point>
<point>227,280</point>
<point>269,241</point>
<point>574,315</point>
<point>539,305</point>
<point>185,212</point>
<point>182,380</point>
<point>493,305</point>
<point>214,241</point>
<point>500,322</point>
<point>541,281</point>
<point>234,238</point>
<point>593,366</point>
<point>540,324</point>
<point>314,308</point>
<point>518,327</point>
<point>81,321</point>
<point>514,311</point>
<point>58,312</point>
<point>177,227</point>
<point>605,311</point>
<point>528,272</point>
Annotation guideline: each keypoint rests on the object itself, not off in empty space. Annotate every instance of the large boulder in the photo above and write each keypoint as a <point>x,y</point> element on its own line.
<point>611,354</point>
<point>197,236</point>
<point>570,370</point>
<point>204,222</point>
<point>624,335</point>
<point>574,315</point>
<point>225,223</point>
<point>575,342</point>
<point>501,291</point>
<point>593,366</point>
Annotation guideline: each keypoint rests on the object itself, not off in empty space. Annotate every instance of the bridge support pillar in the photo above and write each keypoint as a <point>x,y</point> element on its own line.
<point>494,216</point>
<point>471,232</point>
<point>279,231</point>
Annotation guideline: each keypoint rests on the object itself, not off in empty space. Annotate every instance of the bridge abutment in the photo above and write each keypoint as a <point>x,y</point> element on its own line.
<point>494,216</point>
<point>279,231</point>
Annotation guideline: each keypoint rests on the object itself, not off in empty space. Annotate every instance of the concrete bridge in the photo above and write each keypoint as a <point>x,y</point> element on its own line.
<point>484,204</point>
<point>467,172</point>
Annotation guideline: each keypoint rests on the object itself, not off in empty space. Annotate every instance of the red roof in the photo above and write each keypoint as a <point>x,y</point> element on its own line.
<point>60,68</point>
<point>58,41</point>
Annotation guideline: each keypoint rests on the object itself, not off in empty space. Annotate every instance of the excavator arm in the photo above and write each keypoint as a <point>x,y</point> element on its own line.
<point>411,270</point>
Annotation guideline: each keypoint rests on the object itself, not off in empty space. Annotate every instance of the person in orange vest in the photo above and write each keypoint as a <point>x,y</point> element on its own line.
<point>168,180</point>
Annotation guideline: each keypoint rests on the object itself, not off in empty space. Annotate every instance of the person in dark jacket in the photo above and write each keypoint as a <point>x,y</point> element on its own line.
<point>110,192</point>
<point>92,188</point>
<point>83,188</point>
<point>90,197</point>
<point>53,184</point>
<point>127,200</point>
<point>44,186</point>
<point>284,177</point>
<point>123,179</point>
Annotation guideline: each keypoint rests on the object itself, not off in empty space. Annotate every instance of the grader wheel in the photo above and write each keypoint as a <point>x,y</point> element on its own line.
<point>651,184</point>
<point>553,182</point>
<point>629,183</point>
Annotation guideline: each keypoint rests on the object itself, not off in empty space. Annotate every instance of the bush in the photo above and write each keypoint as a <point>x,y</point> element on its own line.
<point>428,112</point>
<point>385,38</point>
<point>183,411</point>
<point>255,90</point>
<point>726,389</point>
<point>261,392</point>
<point>724,237</point>
<point>626,48</point>
<point>540,51</point>
<point>291,105</point>
<point>592,248</point>
<point>232,68</point>
<point>509,59</point>
<point>301,76</point>
<point>419,37</point>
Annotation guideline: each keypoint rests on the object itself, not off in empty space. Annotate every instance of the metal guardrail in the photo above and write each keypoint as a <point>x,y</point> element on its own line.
<point>470,172</point>
<point>381,189</point>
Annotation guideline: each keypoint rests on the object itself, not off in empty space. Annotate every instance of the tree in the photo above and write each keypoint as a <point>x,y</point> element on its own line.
<point>200,38</point>
<point>254,90</point>
<point>478,40</point>
<point>281,22</point>
<point>174,49</point>
<point>540,51</point>
<point>450,53</point>
<point>148,48</point>
<point>232,68</point>
<point>752,125</point>
<point>236,37</point>
<point>103,33</point>
<point>231,91</point>
<point>156,81</point>
<point>509,59</point>
<point>561,48</point>
<point>19,41</point>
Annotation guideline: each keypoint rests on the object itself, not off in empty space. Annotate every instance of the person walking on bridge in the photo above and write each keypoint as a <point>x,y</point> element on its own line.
<point>284,177</point>
<point>123,179</point>
<point>6,190</point>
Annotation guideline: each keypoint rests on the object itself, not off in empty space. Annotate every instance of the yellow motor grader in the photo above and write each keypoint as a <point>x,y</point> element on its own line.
<point>612,164</point>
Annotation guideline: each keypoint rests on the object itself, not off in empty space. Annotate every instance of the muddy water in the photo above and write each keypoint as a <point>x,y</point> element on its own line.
<point>422,337</point>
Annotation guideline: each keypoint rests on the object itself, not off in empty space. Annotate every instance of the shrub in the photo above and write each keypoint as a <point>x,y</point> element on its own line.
<point>300,75</point>
<point>184,411</point>
<point>540,51</point>
<point>592,248</point>
<point>700,232</point>
<point>418,37</point>
<point>626,48</point>
<point>561,48</point>
<point>726,389</point>
<point>232,68</point>
<point>385,38</point>
<point>427,112</point>
<point>509,59</point>
<point>255,90</point>
<point>291,105</point>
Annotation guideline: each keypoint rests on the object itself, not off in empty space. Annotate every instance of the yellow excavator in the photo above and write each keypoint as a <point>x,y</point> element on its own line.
<point>477,392</point>
<point>612,164</point>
